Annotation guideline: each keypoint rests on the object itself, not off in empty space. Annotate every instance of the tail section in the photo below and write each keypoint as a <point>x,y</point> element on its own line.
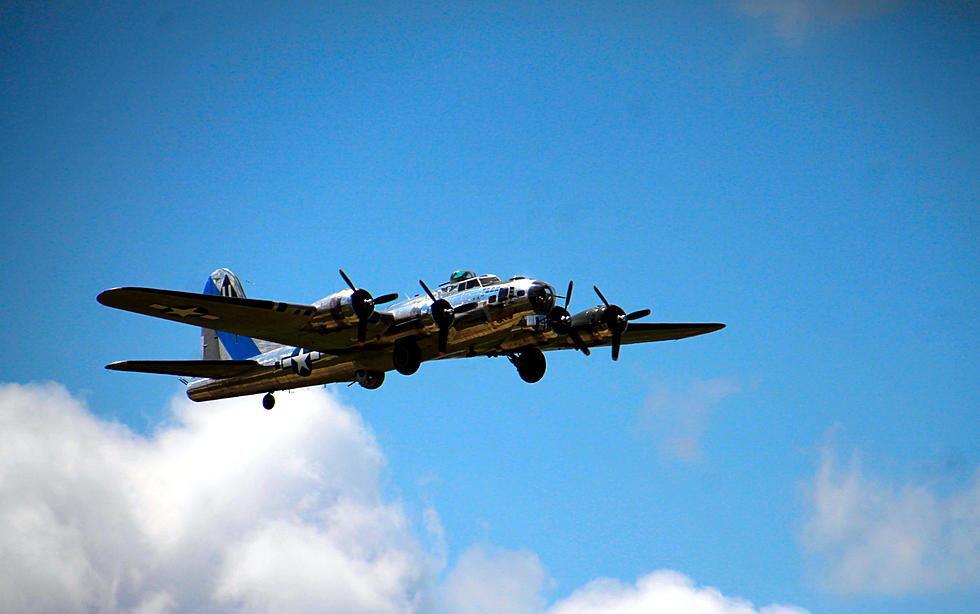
<point>219,345</point>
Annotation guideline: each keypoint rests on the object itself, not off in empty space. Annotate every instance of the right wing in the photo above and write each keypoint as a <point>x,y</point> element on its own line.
<point>212,369</point>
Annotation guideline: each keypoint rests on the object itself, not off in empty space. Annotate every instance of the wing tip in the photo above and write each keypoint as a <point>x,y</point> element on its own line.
<point>106,296</point>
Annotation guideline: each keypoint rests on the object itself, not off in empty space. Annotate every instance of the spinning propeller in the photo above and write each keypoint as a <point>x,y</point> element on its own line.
<point>561,322</point>
<point>363,305</point>
<point>443,315</point>
<point>615,318</point>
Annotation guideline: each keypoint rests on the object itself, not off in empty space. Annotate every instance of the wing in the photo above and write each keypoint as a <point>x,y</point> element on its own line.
<point>214,369</point>
<point>645,332</point>
<point>285,323</point>
<point>638,332</point>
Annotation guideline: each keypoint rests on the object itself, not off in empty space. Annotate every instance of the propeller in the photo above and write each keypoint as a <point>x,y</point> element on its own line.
<point>616,319</point>
<point>561,322</point>
<point>363,304</point>
<point>443,315</point>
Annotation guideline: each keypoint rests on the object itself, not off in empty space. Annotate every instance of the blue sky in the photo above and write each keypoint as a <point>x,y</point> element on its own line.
<point>805,172</point>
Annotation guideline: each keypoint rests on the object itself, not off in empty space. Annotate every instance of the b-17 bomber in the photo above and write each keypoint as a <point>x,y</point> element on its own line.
<point>254,346</point>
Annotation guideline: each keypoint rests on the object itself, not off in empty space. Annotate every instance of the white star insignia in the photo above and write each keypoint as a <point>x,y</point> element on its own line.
<point>189,312</point>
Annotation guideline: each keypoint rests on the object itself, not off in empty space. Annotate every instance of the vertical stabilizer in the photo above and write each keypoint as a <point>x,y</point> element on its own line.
<point>218,345</point>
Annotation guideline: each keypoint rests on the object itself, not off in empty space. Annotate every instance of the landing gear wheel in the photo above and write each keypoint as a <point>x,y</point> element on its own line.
<point>370,379</point>
<point>530,364</point>
<point>268,401</point>
<point>407,357</point>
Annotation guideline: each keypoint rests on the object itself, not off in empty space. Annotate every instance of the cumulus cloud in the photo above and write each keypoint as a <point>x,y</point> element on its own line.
<point>660,591</point>
<point>678,416</point>
<point>489,581</point>
<point>795,18</point>
<point>883,539</point>
<point>228,508</point>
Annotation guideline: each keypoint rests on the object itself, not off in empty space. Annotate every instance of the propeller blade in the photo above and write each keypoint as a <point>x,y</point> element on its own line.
<point>361,330</point>
<point>579,344</point>
<point>427,291</point>
<point>636,315</point>
<point>347,279</point>
<point>386,298</point>
<point>444,316</point>
<point>561,322</point>
<point>616,320</point>
<point>604,301</point>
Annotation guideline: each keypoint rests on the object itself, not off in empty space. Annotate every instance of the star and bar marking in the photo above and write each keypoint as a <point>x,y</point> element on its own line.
<point>185,311</point>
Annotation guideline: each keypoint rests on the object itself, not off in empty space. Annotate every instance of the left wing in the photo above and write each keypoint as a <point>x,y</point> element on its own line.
<point>637,332</point>
<point>285,323</point>
<point>645,332</point>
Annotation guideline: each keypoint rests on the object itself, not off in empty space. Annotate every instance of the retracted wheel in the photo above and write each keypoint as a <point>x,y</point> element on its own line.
<point>407,357</point>
<point>531,364</point>
<point>268,401</point>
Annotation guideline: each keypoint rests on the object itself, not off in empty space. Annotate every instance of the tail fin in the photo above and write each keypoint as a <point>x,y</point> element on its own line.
<point>219,345</point>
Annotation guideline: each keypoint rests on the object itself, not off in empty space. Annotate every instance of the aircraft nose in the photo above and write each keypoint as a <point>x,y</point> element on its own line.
<point>542,297</point>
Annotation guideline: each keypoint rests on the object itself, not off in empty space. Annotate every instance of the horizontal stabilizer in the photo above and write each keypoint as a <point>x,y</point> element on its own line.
<point>214,369</point>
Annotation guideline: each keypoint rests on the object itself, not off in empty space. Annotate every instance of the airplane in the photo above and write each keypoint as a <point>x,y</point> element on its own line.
<point>252,346</point>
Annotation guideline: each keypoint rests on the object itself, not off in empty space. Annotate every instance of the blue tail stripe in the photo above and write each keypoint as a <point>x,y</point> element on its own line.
<point>238,347</point>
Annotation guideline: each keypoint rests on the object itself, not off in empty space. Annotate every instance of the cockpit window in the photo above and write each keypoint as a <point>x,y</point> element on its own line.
<point>465,280</point>
<point>461,275</point>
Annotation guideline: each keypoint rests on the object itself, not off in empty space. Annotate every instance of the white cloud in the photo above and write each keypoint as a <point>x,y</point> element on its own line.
<point>230,508</point>
<point>795,18</point>
<point>881,539</point>
<point>660,591</point>
<point>489,581</point>
<point>678,417</point>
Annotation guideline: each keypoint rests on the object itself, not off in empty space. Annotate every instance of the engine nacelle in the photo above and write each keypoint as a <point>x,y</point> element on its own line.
<point>300,364</point>
<point>590,319</point>
<point>336,309</point>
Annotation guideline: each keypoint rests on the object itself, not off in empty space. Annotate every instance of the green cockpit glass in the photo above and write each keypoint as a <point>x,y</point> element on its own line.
<point>460,276</point>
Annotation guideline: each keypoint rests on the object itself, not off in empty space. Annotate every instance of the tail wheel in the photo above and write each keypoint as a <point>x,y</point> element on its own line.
<point>531,364</point>
<point>268,401</point>
<point>370,379</point>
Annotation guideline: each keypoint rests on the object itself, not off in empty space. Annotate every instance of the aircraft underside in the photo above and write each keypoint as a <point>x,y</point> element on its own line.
<point>254,346</point>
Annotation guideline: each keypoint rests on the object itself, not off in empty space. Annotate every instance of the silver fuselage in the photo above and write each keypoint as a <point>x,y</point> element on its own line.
<point>492,317</point>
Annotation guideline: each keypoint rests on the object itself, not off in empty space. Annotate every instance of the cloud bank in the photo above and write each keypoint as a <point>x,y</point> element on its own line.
<point>882,539</point>
<point>224,509</point>
<point>229,508</point>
